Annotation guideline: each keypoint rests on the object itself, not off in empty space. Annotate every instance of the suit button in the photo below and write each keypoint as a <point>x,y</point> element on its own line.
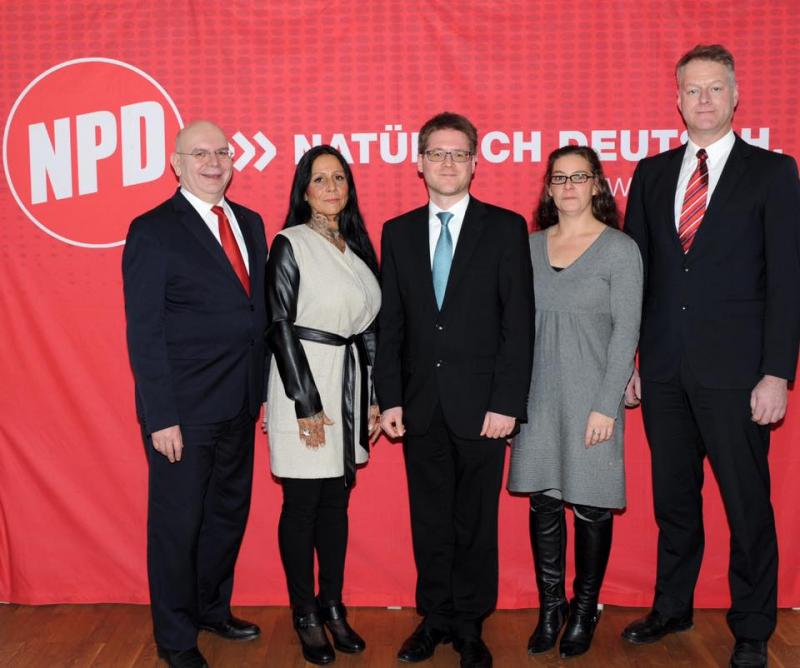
<point>252,343</point>
<point>686,269</point>
<point>439,327</point>
<point>684,307</point>
<point>439,363</point>
<point>252,307</point>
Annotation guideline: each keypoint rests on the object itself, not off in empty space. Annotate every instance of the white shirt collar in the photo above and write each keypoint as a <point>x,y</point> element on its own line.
<point>716,151</point>
<point>459,209</point>
<point>201,206</point>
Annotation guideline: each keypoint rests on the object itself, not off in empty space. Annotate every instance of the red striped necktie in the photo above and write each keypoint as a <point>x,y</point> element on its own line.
<point>231,248</point>
<point>694,202</point>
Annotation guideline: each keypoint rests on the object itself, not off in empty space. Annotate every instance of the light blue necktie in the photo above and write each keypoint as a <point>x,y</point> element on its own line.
<point>442,258</point>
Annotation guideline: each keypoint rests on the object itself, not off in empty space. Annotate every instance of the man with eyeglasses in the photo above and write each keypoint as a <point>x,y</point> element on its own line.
<point>193,273</point>
<point>452,374</point>
<point>716,221</point>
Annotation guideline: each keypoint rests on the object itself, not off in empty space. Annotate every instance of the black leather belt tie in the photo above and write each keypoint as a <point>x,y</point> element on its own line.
<point>348,392</point>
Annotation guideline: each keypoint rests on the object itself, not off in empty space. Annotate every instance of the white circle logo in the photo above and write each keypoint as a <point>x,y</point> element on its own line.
<point>85,149</point>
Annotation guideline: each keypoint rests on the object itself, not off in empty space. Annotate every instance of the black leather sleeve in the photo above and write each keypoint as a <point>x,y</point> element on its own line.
<point>283,284</point>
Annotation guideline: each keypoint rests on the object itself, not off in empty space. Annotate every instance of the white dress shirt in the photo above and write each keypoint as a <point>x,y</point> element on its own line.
<point>435,225</point>
<point>718,153</point>
<point>210,219</point>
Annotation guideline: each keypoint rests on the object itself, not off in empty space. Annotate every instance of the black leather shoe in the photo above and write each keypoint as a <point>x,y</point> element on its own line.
<point>421,644</point>
<point>749,653</point>
<point>345,639</point>
<point>474,653</point>
<point>182,658</point>
<point>233,629</point>
<point>655,626</point>
<point>316,647</point>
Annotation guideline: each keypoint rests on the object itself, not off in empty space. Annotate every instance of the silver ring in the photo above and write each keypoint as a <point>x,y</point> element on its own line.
<point>305,432</point>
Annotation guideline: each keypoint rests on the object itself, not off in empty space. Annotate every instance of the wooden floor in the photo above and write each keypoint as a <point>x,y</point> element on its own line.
<point>120,636</point>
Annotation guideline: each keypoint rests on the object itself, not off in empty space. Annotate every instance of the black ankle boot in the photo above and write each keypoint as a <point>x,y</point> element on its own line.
<point>345,639</point>
<point>592,547</point>
<point>548,543</point>
<point>316,648</point>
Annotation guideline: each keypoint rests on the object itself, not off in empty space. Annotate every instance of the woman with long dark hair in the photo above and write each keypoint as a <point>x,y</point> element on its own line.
<point>587,279</point>
<point>323,296</point>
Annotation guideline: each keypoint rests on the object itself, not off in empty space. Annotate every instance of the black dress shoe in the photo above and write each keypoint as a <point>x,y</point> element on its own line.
<point>420,644</point>
<point>749,653</point>
<point>182,658</point>
<point>474,653</point>
<point>655,626</point>
<point>316,647</point>
<point>345,639</point>
<point>233,629</point>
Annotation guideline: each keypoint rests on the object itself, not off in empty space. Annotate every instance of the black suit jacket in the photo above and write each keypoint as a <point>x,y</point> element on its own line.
<point>476,354</point>
<point>195,339</point>
<point>731,305</point>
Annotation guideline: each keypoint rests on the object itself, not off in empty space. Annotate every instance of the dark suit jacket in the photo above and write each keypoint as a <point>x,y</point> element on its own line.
<point>195,339</point>
<point>476,354</point>
<point>731,305</point>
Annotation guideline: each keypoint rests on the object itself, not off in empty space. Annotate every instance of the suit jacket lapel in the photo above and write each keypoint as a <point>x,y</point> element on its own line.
<point>667,206</point>
<point>728,180</point>
<point>192,221</point>
<point>471,230</point>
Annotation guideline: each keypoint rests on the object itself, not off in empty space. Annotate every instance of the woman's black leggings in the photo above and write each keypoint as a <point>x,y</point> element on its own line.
<point>313,517</point>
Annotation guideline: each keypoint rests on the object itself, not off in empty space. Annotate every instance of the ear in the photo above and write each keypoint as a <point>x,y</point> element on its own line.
<point>175,161</point>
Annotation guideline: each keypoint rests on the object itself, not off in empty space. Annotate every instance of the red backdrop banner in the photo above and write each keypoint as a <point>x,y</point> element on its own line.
<point>92,94</point>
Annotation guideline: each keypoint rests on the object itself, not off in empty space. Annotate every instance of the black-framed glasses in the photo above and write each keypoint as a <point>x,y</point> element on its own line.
<point>440,155</point>
<point>577,177</point>
<point>201,154</point>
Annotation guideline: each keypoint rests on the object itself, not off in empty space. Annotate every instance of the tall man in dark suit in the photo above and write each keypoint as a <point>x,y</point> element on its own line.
<point>452,375</point>
<point>193,271</point>
<point>716,221</point>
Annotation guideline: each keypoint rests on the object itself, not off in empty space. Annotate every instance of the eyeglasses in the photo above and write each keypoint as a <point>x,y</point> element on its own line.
<point>201,154</point>
<point>577,177</point>
<point>440,155</point>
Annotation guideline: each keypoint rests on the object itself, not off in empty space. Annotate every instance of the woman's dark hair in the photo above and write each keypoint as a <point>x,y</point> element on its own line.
<point>604,208</point>
<point>351,223</point>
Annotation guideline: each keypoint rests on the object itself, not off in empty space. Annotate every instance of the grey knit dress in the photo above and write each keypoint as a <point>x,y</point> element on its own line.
<point>587,329</point>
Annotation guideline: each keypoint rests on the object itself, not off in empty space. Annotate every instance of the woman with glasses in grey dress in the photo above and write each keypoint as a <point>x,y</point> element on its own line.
<point>588,287</point>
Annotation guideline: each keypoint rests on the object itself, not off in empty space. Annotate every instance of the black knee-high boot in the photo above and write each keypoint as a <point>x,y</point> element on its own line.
<point>548,543</point>
<point>592,547</point>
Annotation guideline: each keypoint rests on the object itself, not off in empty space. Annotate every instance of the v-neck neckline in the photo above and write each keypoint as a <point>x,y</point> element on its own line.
<point>341,253</point>
<point>566,268</point>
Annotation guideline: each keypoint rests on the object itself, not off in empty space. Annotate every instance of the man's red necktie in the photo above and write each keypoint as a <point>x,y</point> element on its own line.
<point>231,248</point>
<point>694,202</point>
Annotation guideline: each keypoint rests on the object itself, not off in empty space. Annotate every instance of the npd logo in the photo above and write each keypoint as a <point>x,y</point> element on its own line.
<point>85,149</point>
